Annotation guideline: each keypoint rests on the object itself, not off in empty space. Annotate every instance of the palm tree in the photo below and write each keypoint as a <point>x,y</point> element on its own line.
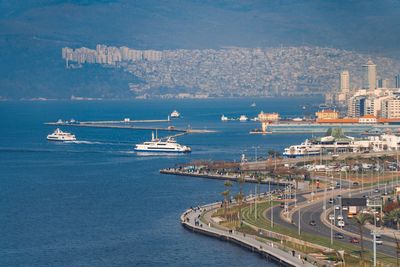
<point>361,219</point>
<point>239,200</point>
<point>394,216</point>
<point>226,193</point>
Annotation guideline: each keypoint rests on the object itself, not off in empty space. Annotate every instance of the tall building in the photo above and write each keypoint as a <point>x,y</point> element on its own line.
<point>369,76</point>
<point>397,81</point>
<point>344,82</point>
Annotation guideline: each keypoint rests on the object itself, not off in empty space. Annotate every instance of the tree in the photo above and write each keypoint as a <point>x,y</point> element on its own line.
<point>226,194</point>
<point>394,216</point>
<point>361,219</point>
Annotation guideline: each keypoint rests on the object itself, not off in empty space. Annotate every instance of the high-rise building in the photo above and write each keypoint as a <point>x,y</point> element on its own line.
<point>369,76</point>
<point>397,81</point>
<point>344,82</point>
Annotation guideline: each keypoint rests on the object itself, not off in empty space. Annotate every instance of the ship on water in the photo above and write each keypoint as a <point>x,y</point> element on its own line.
<point>59,135</point>
<point>175,114</point>
<point>335,142</point>
<point>158,145</point>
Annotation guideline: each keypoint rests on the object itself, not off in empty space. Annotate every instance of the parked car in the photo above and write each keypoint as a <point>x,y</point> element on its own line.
<point>331,217</point>
<point>354,240</point>
<point>379,242</point>
<point>340,217</point>
<point>337,207</point>
<point>339,236</point>
<point>313,223</point>
<point>340,223</point>
<point>345,208</point>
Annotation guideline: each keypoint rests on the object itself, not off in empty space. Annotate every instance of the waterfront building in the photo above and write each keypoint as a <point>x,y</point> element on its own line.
<point>268,116</point>
<point>327,114</point>
<point>369,76</point>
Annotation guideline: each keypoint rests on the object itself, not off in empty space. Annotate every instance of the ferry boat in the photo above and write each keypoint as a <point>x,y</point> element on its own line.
<point>175,114</point>
<point>224,118</point>
<point>157,145</point>
<point>59,135</point>
<point>307,148</point>
<point>243,118</point>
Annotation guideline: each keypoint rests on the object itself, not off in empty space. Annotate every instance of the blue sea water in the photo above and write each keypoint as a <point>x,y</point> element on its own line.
<point>96,203</point>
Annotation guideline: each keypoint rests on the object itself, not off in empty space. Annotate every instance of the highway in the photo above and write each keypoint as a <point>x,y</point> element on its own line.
<point>313,211</point>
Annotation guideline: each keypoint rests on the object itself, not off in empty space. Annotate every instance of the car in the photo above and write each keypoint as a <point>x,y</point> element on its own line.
<point>376,190</point>
<point>339,236</point>
<point>340,223</point>
<point>377,235</point>
<point>331,217</point>
<point>379,242</point>
<point>313,223</point>
<point>282,205</point>
<point>366,151</point>
<point>345,208</point>
<point>337,207</point>
<point>354,240</point>
<point>340,217</point>
<point>356,184</point>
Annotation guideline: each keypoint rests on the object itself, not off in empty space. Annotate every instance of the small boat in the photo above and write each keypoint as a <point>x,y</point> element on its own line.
<point>253,105</point>
<point>224,118</point>
<point>59,135</point>
<point>175,114</point>
<point>243,118</point>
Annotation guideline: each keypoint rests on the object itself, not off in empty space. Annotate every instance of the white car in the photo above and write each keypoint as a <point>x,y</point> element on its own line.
<point>345,208</point>
<point>337,207</point>
<point>379,242</point>
<point>340,217</point>
<point>331,217</point>
<point>340,223</point>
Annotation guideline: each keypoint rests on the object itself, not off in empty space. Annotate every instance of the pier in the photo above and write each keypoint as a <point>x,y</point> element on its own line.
<point>112,125</point>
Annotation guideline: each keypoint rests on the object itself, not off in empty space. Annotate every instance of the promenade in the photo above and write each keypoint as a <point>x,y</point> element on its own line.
<point>191,220</point>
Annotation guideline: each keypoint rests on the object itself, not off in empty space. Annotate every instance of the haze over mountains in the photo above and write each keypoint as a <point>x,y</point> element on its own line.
<point>32,34</point>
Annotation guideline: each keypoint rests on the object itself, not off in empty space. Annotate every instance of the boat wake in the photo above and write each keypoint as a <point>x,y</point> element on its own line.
<point>84,142</point>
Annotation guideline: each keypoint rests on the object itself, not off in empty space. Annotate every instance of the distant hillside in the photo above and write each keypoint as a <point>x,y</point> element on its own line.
<point>234,71</point>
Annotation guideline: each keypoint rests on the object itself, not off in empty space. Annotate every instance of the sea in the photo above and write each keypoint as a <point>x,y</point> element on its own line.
<point>95,202</point>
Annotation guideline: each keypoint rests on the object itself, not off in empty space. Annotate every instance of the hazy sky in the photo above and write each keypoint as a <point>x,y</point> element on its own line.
<point>361,25</point>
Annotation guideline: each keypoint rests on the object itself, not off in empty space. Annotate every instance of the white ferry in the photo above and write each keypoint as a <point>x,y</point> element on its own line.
<point>59,135</point>
<point>175,114</point>
<point>306,148</point>
<point>243,118</point>
<point>224,118</point>
<point>157,145</point>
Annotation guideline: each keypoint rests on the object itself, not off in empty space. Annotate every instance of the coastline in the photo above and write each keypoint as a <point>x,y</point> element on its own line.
<point>268,250</point>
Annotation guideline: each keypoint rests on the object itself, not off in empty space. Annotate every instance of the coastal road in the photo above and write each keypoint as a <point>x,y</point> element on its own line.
<point>313,212</point>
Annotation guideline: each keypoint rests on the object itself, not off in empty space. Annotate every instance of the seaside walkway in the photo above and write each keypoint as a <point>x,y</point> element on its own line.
<point>191,220</point>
